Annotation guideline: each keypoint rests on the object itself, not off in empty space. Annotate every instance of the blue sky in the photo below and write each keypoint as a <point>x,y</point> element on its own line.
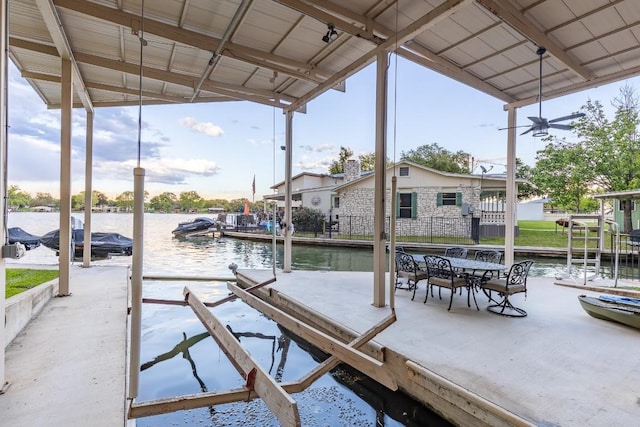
<point>216,149</point>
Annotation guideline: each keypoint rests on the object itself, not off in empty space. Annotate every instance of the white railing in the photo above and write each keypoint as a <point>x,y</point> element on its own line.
<point>490,217</point>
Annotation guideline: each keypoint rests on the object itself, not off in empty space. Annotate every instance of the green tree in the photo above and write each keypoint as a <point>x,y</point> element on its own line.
<point>337,166</point>
<point>563,173</point>
<point>99,199</point>
<point>126,200</point>
<point>190,200</point>
<point>527,189</point>
<point>307,219</point>
<point>17,198</point>
<point>439,158</point>
<point>612,146</point>
<point>45,199</point>
<point>165,202</point>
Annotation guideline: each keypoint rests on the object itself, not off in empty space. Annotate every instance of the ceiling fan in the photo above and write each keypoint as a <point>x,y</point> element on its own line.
<point>540,125</point>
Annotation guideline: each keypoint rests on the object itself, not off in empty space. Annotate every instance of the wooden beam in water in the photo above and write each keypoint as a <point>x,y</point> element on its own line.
<point>189,278</point>
<point>188,401</point>
<point>277,400</point>
<point>360,361</point>
<point>199,400</point>
<point>333,361</point>
<point>208,304</point>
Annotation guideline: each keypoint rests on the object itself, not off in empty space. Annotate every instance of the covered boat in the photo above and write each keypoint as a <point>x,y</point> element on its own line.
<point>616,309</point>
<point>199,225</point>
<point>103,245</point>
<point>18,235</point>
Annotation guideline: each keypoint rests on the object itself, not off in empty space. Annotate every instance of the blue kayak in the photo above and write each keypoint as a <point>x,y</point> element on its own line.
<point>634,302</point>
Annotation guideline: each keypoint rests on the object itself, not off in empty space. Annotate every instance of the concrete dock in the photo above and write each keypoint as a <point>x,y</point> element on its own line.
<point>556,367</point>
<point>67,367</point>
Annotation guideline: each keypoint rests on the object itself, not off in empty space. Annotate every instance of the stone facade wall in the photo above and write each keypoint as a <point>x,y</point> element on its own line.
<point>357,211</point>
<point>351,170</point>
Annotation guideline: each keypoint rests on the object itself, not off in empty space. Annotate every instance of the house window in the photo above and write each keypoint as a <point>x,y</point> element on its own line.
<point>406,205</point>
<point>404,171</point>
<point>336,202</point>
<point>623,202</point>
<point>449,199</point>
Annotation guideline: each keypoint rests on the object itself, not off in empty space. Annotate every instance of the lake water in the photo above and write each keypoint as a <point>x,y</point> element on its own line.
<point>178,357</point>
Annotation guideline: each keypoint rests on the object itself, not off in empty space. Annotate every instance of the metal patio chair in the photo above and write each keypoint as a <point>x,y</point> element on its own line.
<point>515,282</point>
<point>487,255</point>
<point>441,274</point>
<point>456,252</point>
<point>408,269</point>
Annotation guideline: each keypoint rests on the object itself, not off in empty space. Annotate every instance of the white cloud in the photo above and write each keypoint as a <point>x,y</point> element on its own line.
<point>331,148</point>
<point>206,128</point>
<point>319,165</point>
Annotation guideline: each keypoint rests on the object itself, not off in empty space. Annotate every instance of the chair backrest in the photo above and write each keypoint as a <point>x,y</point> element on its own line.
<point>517,276</point>
<point>634,235</point>
<point>488,255</point>
<point>405,262</point>
<point>439,267</point>
<point>456,252</point>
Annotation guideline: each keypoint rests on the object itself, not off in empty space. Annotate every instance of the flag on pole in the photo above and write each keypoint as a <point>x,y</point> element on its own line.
<point>253,187</point>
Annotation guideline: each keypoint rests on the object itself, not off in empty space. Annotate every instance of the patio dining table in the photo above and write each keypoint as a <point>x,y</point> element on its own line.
<point>469,267</point>
<point>466,264</point>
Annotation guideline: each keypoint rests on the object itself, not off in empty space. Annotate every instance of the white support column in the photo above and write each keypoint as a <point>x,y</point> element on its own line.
<point>66,105</point>
<point>3,184</point>
<point>136,281</point>
<point>88,190</point>
<point>379,241</point>
<point>287,192</point>
<point>512,189</point>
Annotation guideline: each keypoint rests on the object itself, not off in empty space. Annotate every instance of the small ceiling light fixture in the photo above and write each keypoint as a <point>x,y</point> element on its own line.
<point>331,35</point>
<point>539,131</point>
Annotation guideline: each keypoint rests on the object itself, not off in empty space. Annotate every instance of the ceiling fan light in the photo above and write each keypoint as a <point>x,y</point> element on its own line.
<point>540,131</point>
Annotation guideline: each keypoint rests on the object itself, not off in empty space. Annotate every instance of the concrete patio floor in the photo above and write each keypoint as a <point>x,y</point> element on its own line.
<point>67,367</point>
<point>556,367</point>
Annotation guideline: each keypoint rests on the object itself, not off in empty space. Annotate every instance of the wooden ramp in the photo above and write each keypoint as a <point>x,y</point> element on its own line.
<point>258,382</point>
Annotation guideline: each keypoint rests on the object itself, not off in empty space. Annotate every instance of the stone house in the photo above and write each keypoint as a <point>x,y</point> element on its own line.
<point>423,194</point>
<point>311,190</point>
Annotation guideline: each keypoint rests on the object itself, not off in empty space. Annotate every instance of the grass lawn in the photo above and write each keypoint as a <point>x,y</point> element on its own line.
<point>21,279</point>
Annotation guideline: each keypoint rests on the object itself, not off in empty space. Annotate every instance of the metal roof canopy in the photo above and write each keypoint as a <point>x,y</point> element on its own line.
<point>619,195</point>
<point>272,52</point>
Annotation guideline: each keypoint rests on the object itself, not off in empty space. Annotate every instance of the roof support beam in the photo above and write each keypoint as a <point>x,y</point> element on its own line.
<point>52,21</point>
<point>233,91</point>
<point>599,81</point>
<point>426,58</point>
<point>444,10</point>
<point>362,30</point>
<point>192,38</point>
<point>515,19</point>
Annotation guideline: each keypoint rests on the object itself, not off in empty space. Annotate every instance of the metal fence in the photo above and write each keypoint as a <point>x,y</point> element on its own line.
<point>464,230</point>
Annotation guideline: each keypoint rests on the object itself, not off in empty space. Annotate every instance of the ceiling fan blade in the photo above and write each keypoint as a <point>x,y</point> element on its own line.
<point>569,117</point>
<point>558,126</point>
<point>537,120</point>
<point>514,127</point>
<point>528,130</point>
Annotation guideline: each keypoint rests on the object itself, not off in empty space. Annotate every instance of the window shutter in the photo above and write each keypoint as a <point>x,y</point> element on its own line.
<point>458,199</point>
<point>397,205</point>
<point>414,205</point>
<point>439,199</point>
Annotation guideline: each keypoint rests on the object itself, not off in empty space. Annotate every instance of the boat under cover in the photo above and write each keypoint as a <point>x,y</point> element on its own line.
<point>199,225</point>
<point>103,245</point>
<point>18,235</point>
<point>616,309</point>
